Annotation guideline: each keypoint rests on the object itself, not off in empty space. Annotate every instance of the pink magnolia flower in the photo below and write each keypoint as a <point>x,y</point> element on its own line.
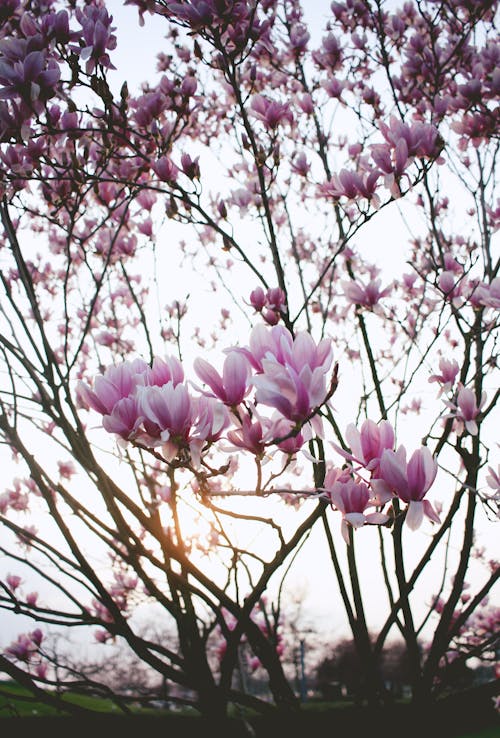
<point>66,469</point>
<point>116,383</point>
<point>36,636</point>
<point>352,499</point>
<point>148,108</point>
<point>21,649</point>
<point>411,481</point>
<point>41,670</point>
<point>271,317</point>
<point>26,645</point>
<point>188,88</point>
<point>16,498</point>
<point>125,418</point>
<point>333,87</point>
<point>13,581</point>
<point>300,164</point>
<point>174,420</point>
<point>420,139</point>
<point>102,636</point>
<point>233,386</point>
<point>124,585</point>
<point>299,36</point>
<point>210,419</point>
<point>353,185</point>
<point>114,393</point>
<point>165,169</point>
<point>451,285</point>
<point>242,197</point>
<point>486,295</point>
<point>164,370</point>
<point>450,263</point>
<point>291,371</point>
<point>249,435</point>
<point>275,298</point>
<point>190,167</point>
<point>258,299</point>
<point>101,611</point>
<point>98,37</point>
<point>391,162</point>
<point>335,474</point>
<point>466,410</point>
<point>294,394</point>
<point>368,444</point>
<point>271,113</point>
<point>146,199</point>
<point>275,342</point>
<point>366,295</point>
<point>277,345</point>
<point>449,371</point>
<point>27,73</point>
<point>280,427</point>
<point>330,54</point>
<point>56,25</point>
<point>168,415</point>
<point>473,128</point>
<point>197,14</point>
<point>151,405</point>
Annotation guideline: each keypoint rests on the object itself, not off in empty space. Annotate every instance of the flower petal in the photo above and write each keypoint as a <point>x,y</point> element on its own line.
<point>414,515</point>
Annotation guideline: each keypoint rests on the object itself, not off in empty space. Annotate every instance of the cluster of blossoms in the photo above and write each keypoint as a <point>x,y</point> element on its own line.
<point>18,497</point>
<point>154,407</point>
<point>459,289</point>
<point>378,474</point>
<point>403,145</point>
<point>269,304</point>
<point>484,621</point>
<point>26,648</point>
<point>123,591</point>
<point>479,628</point>
<point>464,406</point>
<point>31,59</point>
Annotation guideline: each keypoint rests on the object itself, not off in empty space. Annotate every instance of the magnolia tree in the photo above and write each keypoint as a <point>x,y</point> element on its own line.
<point>172,463</point>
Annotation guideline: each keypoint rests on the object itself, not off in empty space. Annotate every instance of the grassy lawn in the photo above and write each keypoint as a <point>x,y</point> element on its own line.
<point>16,701</point>
<point>316,719</point>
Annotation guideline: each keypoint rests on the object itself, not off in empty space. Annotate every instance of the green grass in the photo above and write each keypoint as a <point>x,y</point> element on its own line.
<point>18,701</point>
